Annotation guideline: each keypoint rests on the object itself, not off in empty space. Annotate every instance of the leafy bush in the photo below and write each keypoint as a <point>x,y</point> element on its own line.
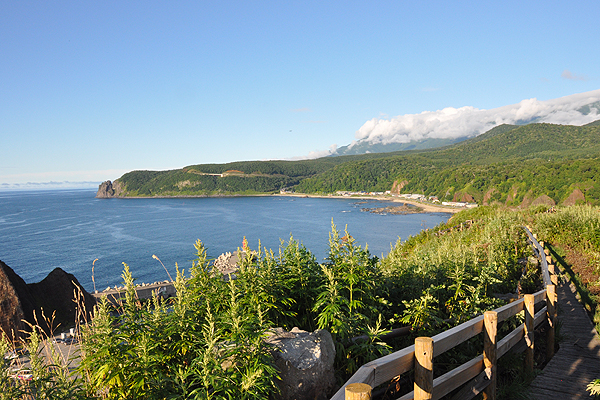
<point>207,342</point>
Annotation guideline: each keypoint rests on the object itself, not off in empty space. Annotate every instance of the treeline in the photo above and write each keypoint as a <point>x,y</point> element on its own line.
<point>180,183</point>
<point>293,169</point>
<point>509,164</point>
<point>508,182</point>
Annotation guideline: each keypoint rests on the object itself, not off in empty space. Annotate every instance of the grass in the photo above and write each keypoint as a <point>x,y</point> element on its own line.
<point>206,343</point>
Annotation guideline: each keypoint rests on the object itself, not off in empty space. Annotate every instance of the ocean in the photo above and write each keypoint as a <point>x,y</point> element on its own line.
<point>42,230</point>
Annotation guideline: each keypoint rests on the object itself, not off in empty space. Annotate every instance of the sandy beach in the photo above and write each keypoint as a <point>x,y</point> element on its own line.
<point>425,207</point>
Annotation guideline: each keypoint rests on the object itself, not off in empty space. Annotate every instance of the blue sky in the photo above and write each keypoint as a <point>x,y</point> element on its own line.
<point>91,90</point>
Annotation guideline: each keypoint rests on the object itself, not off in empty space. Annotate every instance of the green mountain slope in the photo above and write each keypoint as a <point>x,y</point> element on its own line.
<point>508,164</point>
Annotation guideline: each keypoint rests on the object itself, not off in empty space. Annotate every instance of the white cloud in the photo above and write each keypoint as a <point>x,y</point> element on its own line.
<point>470,121</point>
<point>60,177</point>
<point>566,74</point>
<point>317,153</point>
<point>48,185</point>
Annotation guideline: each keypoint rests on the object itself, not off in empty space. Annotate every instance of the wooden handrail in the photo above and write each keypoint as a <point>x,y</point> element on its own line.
<point>539,250</point>
<point>385,368</point>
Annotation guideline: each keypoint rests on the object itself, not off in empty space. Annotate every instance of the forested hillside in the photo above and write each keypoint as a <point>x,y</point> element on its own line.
<point>508,164</point>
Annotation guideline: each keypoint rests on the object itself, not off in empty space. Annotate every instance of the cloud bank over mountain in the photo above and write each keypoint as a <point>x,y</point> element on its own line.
<point>450,123</point>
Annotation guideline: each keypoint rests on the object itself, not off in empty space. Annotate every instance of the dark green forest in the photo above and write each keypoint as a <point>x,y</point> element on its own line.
<point>509,164</point>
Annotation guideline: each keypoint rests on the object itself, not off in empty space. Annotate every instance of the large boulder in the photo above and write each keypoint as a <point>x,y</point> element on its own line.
<point>305,361</point>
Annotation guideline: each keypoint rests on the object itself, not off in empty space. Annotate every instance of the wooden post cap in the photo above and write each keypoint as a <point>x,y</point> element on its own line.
<point>358,391</point>
<point>424,339</point>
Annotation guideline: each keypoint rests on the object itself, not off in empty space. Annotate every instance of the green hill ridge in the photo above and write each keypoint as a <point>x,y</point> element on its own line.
<point>509,164</point>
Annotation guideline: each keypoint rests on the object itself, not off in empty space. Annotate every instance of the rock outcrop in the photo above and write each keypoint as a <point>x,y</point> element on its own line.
<point>543,200</point>
<point>398,185</point>
<point>11,310</point>
<point>109,189</point>
<point>58,293</point>
<point>577,197</point>
<point>305,361</point>
<point>25,302</point>
<point>463,197</point>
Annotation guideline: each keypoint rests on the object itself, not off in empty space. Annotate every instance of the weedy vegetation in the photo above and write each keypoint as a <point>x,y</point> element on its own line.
<point>208,341</point>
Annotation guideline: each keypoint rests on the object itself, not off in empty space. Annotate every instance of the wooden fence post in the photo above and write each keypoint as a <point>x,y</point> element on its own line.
<point>490,320</point>
<point>551,312</point>
<point>529,332</point>
<point>423,368</point>
<point>553,275</point>
<point>358,391</point>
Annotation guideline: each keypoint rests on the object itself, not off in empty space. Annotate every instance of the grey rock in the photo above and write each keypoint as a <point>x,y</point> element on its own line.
<point>109,189</point>
<point>305,361</point>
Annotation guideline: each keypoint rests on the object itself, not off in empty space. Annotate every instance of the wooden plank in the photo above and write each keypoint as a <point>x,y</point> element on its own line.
<point>510,340</point>
<point>474,387</point>
<point>453,379</point>
<point>540,317</point>
<point>385,368</point>
<point>392,365</point>
<point>539,296</point>
<point>363,375</point>
<point>448,339</point>
<point>457,377</point>
<point>381,370</point>
<point>541,255</point>
<point>510,309</point>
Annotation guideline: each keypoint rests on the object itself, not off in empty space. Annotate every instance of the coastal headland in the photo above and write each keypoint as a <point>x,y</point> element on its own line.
<point>109,190</point>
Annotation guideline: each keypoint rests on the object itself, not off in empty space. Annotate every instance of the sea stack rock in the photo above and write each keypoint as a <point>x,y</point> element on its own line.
<point>108,190</point>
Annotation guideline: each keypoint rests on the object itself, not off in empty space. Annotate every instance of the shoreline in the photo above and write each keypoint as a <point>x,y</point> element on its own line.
<point>425,207</point>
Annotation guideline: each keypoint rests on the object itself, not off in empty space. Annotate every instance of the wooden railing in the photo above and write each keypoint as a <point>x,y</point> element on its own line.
<point>480,372</point>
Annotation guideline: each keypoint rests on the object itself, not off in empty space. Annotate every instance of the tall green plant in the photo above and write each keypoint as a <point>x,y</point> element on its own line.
<point>207,344</point>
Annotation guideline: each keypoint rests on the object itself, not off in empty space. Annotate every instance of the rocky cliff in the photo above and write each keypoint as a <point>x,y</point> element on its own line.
<point>54,295</point>
<point>109,189</point>
<point>11,310</point>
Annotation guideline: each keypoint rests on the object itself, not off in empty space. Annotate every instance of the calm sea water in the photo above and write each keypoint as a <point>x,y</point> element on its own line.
<point>69,229</point>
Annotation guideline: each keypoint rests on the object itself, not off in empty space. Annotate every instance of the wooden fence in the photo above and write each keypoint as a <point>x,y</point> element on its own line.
<point>479,372</point>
